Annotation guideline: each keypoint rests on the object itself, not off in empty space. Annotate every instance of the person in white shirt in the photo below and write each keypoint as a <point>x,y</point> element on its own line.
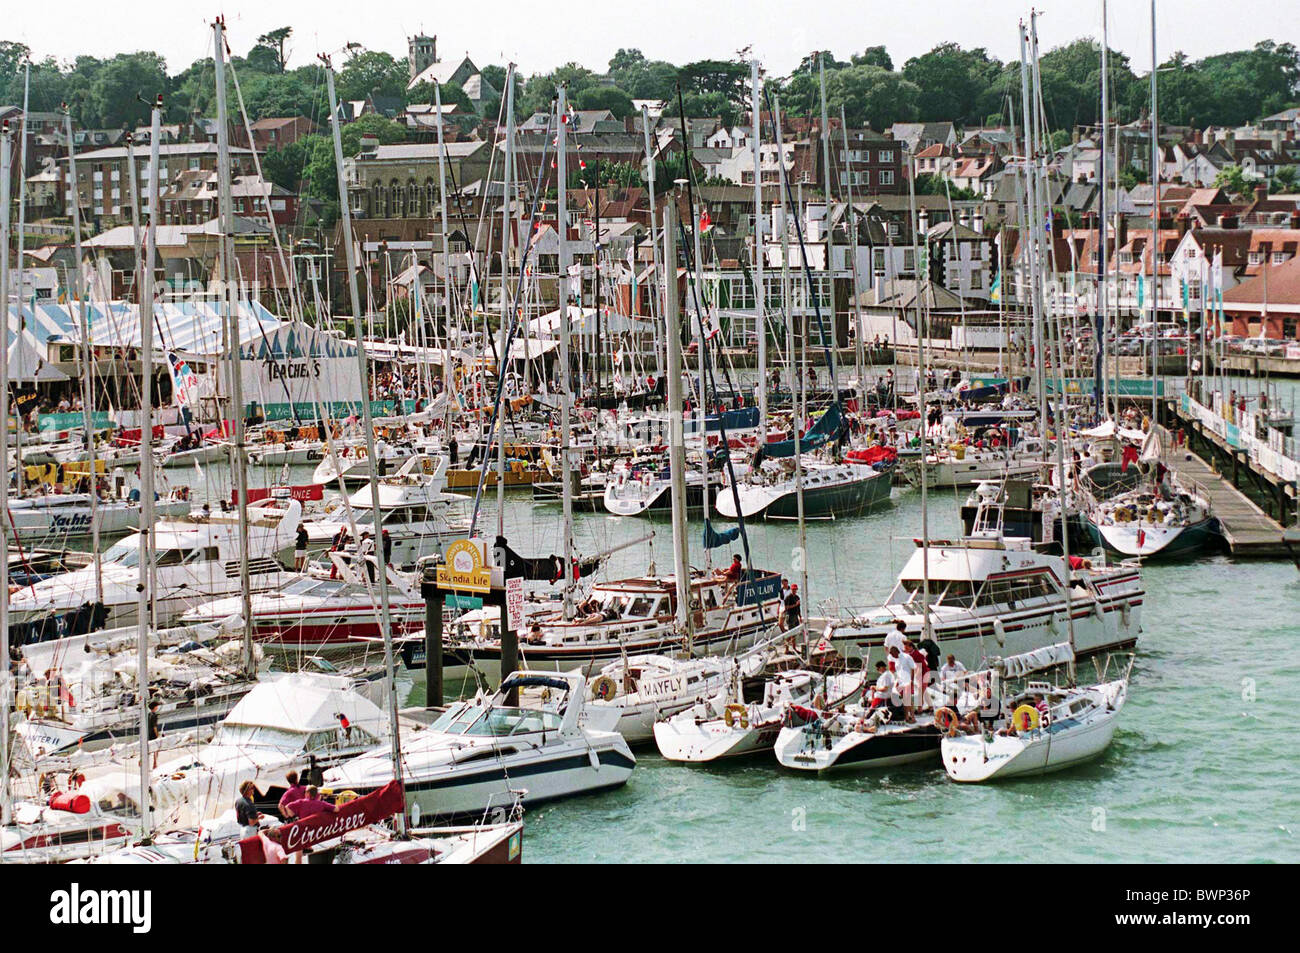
<point>882,704</point>
<point>951,669</point>
<point>904,671</point>
<point>949,672</point>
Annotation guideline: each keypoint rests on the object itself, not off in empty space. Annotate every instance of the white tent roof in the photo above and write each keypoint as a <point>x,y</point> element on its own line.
<point>194,326</point>
<point>305,702</point>
<point>26,364</point>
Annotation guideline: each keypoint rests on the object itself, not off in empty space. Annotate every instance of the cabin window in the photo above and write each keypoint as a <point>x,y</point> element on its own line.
<point>642,606</point>
<point>172,557</point>
<point>958,593</point>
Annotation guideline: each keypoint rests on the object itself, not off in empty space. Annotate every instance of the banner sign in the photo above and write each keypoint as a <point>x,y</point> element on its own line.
<point>297,364</point>
<point>755,590</point>
<point>334,410</point>
<point>317,828</point>
<point>57,423</point>
<point>466,566</point>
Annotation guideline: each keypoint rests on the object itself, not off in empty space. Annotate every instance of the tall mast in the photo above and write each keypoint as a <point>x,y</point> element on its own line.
<point>238,465</point>
<point>503,359</point>
<point>676,436</point>
<point>1155,217</point>
<point>859,350</point>
<point>921,281</point>
<point>87,391</point>
<point>145,306</point>
<point>368,424</point>
<point>19,258</point>
<point>654,245</point>
<point>446,266</point>
<point>1100,388</point>
<point>6,678</point>
<point>562,277</point>
<point>1031,234</point>
<point>832,344</point>
<point>785,254</point>
<point>760,292</point>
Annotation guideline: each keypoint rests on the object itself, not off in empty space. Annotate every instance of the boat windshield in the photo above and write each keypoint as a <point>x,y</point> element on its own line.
<point>260,736</point>
<point>497,722</point>
<point>316,587</point>
<point>124,553</point>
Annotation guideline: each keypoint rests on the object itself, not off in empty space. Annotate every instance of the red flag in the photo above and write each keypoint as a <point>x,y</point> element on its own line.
<point>1142,537</point>
<point>706,222</point>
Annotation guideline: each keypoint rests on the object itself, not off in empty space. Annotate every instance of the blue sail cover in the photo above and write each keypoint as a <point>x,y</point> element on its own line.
<point>823,432</point>
<point>713,539</point>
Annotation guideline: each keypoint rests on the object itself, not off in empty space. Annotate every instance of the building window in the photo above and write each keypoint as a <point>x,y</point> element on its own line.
<point>886,155</point>
<point>886,177</point>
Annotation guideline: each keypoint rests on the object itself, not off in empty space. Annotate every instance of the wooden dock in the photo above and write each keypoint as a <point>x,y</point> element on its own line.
<point>1247,529</point>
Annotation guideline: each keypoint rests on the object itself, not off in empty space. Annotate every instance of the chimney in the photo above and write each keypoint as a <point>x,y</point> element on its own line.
<point>977,221</point>
<point>964,219</point>
<point>922,221</point>
<point>1184,223</point>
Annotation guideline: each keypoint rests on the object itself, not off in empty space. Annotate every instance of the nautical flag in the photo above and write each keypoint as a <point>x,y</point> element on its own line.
<point>185,383</point>
<point>1216,276</point>
<point>995,290</point>
<point>1142,287</point>
<point>1186,297</point>
<point>706,222</point>
<point>1142,537</point>
<point>575,282</point>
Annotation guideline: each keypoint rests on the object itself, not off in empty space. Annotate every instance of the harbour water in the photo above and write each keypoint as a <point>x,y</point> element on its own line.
<point>1193,774</point>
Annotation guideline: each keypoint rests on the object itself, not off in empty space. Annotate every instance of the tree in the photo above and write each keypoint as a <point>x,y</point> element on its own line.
<point>813,62</point>
<point>873,56</point>
<point>952,81</point>
<point>12,57</point>
<point>727,77</point>
<point>1131,175</point>
<point>113,99</point>
<point>1235,180</point>
<point>1285,180</point>
<point>625,60</point>
<point>605,97</point>
<point>372,73</point>
<point>275,40</point>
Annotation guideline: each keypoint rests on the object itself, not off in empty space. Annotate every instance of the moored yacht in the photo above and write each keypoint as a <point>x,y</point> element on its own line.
<point>484,752</point>
<point>994,595</point>
<point>196,559</point>
<point>634,616</point>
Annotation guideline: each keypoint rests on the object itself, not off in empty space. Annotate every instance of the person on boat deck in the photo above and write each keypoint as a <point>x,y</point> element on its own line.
<point>922,662</point>
<point>245,814</point>
<point>904,673</point>
<point>534,636</point>
<point>296,791</point>
<point>733,572</point>
<point>310,804</point>
<point>880,702</point>
<point>932,653</point>
<point>792,608</point>
<point>388,547</point>
<point>300,548</point>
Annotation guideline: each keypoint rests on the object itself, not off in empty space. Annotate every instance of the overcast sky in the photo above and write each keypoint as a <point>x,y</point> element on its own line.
<point>539,35</point>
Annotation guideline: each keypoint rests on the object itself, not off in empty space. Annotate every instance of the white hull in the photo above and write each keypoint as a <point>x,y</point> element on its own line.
<point>973,759</point>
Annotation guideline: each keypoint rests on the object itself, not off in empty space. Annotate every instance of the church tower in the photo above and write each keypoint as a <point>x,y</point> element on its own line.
<point>422,52</point>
